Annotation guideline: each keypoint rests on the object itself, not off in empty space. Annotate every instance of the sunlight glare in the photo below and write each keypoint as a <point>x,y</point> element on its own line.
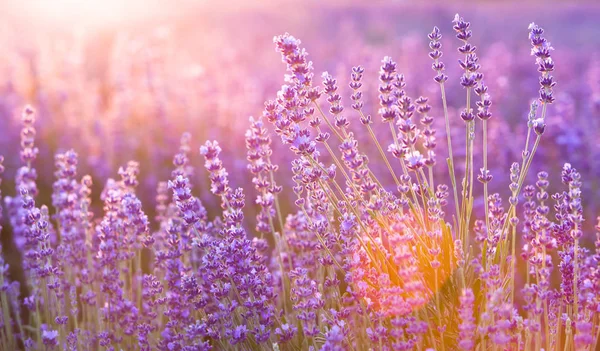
<point>88,13</point>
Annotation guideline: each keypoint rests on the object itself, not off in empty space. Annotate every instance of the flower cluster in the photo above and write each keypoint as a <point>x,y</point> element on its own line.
<point>352,263</point>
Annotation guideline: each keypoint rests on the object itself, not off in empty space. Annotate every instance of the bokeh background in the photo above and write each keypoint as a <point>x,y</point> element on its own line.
<point>122,80</point>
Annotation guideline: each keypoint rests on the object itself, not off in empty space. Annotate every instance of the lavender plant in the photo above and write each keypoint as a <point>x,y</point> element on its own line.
<point>358,264</point>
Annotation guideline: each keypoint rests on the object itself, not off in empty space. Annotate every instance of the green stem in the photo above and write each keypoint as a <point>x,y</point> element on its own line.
<point>468,160</point>
<point>450,154</point>
<point>383,156</point>
<point>485,184</point>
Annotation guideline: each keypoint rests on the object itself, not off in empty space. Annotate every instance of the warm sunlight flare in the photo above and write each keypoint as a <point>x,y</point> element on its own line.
<point>406,263</point>
<point>87,13</point>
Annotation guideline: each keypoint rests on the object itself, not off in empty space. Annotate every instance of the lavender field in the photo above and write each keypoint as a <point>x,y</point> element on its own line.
<point>281,175</point>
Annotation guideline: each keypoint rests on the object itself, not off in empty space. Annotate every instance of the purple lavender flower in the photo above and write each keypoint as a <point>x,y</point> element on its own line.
<point>50,338</point>
<point>259,154</point>
<point>435,45</point>
<point>467,326</point>
<point>233,259</point>
<point>541,50</point>
<point>470,65</point>
<point>25,179</point>
<point>295,57</point>
<point>387,100</point>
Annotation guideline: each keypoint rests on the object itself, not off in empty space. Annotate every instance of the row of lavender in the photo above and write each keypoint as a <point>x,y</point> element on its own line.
<point>377,251</point>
